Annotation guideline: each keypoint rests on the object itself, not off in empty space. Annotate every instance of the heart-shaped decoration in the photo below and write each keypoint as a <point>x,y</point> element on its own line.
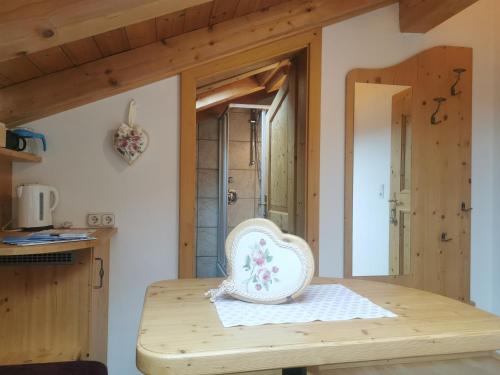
<point>265,265</point>
<point>130,140</point>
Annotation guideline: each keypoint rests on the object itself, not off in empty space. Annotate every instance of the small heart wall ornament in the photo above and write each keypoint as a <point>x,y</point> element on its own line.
<point>130,141</point>
<point>265,265</point>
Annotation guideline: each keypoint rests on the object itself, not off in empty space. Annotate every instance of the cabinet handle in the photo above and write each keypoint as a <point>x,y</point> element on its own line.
<point>101,273</point>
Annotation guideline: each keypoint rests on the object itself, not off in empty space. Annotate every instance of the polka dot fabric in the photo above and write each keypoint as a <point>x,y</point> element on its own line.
<point>319,302</point>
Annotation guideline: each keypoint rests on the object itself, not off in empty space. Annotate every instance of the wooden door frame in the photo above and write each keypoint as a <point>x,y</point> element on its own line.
<point>311,41</point>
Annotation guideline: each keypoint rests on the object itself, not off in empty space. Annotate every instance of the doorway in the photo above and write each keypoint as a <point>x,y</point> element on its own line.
<point>249,148</point>
<point>250,158</point>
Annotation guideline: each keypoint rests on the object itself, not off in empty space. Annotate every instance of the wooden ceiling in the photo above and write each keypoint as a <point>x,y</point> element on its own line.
<point>123,39</point>
<point>268,78</point>
<point>59,54</point>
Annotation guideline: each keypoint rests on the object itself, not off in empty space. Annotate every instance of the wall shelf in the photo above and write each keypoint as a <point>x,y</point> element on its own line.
<point>12,155</point>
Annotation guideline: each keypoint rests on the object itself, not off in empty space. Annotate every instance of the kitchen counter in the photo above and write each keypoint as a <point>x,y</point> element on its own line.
<point>180,332</point>
<point>100,234</point>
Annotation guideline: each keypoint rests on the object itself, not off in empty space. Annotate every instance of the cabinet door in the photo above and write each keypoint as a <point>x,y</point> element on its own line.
<point>99,303</point>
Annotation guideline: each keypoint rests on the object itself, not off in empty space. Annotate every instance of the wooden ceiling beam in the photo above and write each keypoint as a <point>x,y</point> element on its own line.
<point>95,80</point>
<point>277,80</point>
<point>265,77</point>
<point>420,16</point>
<point>226,93</point>
<point>238,77</point>
<point>27,27</point>
<point>259,97</point>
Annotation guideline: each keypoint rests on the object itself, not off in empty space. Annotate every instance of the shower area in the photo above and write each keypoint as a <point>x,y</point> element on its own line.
<point>232,179</point>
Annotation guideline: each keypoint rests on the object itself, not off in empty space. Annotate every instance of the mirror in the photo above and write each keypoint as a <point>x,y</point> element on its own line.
<point>381,190</point>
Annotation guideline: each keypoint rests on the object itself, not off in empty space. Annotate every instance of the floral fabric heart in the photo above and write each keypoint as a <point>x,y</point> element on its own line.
<point>130,141</point>
<point>264,264</point>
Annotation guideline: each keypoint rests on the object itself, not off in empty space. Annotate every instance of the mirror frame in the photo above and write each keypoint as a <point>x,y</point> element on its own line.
<point>430,74</point>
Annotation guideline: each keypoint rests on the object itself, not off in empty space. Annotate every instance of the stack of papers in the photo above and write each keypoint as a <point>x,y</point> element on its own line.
<point>47,237</point>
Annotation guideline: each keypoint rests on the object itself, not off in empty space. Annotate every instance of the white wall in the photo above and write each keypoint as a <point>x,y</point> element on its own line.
<point>371,178</point>
<point>144,197</point>
<point>372,41</point>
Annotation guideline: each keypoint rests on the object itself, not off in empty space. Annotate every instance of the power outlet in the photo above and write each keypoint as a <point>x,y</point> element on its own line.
<point>108,220</point>
<point>94,220</point>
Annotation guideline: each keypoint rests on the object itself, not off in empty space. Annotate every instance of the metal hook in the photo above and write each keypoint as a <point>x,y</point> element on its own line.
<point>464,208</point>
<point>434,120</point>
<point>458,72</point>
<point>444,237</point>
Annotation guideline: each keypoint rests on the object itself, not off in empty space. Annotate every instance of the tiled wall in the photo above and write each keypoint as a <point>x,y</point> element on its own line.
<point>208,192</point>
<point>244,181</point>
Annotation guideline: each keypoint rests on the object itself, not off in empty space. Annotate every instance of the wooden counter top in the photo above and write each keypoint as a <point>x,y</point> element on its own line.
<point>181,333</point>
<point>100,234</point>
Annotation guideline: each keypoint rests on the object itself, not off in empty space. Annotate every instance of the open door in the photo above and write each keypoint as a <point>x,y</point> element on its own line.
<point>400,184</point>
<point>281,192</point>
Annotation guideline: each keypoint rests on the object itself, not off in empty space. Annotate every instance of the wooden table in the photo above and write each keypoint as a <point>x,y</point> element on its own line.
<point>181,333</point>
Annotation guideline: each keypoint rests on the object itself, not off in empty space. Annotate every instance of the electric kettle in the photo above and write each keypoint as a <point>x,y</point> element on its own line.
<point>35,205</point>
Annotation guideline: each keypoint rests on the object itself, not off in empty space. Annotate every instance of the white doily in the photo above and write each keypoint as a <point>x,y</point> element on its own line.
<point>319,302</point>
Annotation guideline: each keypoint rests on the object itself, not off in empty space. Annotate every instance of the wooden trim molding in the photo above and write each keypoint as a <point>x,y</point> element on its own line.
<point>189,78</point>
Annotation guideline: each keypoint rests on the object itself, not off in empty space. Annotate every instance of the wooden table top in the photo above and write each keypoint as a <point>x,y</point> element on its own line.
<point>99,234</point>
<point>181,333</point>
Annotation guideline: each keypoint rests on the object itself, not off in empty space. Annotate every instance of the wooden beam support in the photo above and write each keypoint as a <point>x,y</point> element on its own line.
<point>420,16</point>
<point>238,77</point>
<point>27,27</point>
<point>60,91</point>
<point>223,94</point>
<point>277,80</point>
<point>265,77</point>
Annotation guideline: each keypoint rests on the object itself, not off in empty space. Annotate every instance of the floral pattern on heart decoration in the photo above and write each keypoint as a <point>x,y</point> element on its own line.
<point>258,263</point>
<point>265,265</point>
<point>130,141</point>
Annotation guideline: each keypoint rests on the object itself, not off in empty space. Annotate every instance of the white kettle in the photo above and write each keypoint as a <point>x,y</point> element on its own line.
<point>35,205</point>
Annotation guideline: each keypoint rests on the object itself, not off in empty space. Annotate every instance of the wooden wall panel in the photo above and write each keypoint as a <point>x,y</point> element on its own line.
<point>35,324</point>
<point>441,169</point>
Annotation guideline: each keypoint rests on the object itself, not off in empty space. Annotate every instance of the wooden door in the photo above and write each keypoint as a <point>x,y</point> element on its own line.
<point>400,184</point>
<point>281,166</point>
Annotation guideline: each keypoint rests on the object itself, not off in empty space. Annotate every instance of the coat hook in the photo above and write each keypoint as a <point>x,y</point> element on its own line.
<point>444,237</point>
<point>458,72</point>
<point>434,119</point>
<point>464,208</point>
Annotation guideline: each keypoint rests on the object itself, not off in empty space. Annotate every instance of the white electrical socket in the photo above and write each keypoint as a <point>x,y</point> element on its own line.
<point>108,220</point>
<point>94,220</point>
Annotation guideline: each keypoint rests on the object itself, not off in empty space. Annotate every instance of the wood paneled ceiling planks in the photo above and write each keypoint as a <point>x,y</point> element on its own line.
<point>111,42</point>
<point>193,31</point>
